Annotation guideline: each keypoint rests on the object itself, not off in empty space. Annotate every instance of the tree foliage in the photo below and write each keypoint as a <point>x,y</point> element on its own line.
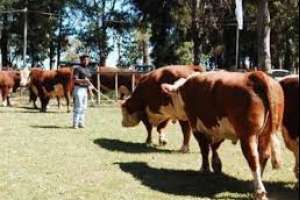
<point>160,31</point>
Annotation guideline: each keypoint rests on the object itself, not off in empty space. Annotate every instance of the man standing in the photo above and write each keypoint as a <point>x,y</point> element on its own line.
<point>80,94</point>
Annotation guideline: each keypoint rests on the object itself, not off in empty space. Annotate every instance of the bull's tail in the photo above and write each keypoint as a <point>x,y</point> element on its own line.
<point>272,96</point>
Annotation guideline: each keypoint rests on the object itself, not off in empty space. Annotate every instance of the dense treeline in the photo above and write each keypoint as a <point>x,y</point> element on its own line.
<point>158,31</point>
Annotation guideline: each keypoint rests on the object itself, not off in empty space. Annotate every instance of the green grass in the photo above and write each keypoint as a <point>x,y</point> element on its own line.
<point>43,159</point>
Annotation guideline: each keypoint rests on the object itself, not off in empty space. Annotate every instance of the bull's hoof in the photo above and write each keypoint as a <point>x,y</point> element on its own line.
<point>149,142</point>
<point>296,187</point>
<point>205,171</point>
<point>217,166</point>
<point>184,149</point>
<point>276,164</point>
<point>163,143</point>
<point>261,196</point>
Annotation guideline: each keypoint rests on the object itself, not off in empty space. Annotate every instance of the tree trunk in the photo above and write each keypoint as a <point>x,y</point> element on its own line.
<point>59,41</point>
<point>146,59</point>
<point>196,31</point>
<point>102,43</point>
<point>288,60</point>
<point>264,35</point>
<point>52,54</point>
<point>4,42</point>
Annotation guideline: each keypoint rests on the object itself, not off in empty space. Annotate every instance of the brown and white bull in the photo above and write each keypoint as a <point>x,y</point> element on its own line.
<point>290,87</point>
<point>246,107</point>
<point>51,84</point>
<point>10,81</point>
<point>150,105</point>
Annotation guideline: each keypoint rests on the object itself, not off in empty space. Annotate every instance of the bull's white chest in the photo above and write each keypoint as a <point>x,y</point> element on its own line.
<point>223,130</point>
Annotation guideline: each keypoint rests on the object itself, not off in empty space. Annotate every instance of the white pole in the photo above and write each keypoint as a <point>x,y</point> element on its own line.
<point>240,21</point>
<point>133,82</point>
<point>237,55</point>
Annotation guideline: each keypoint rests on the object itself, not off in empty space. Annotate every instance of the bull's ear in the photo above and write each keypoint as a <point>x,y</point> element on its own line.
<point>168,89</point>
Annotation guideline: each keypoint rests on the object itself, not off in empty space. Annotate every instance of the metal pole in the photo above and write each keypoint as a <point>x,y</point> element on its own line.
<point>237,57</point>
<point>25,36</point>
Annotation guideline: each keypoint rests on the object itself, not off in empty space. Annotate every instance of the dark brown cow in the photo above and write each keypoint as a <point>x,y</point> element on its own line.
<point>50,84</point>
<point>108,82</point>
<point>9,82</point>
<point>148,103</point>
<point>246,107</point>
<point>290,87</point>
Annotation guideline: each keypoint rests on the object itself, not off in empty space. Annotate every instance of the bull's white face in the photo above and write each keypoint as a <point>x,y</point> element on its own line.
<point>129,120</point>
<point>24,77</point>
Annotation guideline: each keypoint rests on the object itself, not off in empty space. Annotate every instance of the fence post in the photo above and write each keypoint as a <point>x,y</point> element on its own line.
<point>133,82</point>
<point>99,85</point>
<point>117,86</point>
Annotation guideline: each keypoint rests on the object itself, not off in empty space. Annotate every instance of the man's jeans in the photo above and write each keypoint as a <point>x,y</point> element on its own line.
<point>80,96</point>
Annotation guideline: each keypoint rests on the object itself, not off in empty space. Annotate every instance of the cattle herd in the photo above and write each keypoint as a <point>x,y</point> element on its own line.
<point>251,108</point>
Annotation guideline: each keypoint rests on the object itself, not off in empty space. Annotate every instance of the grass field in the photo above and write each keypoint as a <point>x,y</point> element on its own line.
<point>43,159</point>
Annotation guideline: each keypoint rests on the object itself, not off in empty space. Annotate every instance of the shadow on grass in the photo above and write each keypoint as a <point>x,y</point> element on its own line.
<point>192,183</point>
<point>50,127</point>
<point>28,108</point>
<point>37,110</point>
<point>128,147</point>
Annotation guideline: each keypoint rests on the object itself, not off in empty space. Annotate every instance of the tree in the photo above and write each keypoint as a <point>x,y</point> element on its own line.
<point>196,30</point>
<point>264,35</point>
<point>5,5</point>
<point>101,19</point>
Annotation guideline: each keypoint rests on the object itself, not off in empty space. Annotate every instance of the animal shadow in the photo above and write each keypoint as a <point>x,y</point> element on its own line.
<point>128,147</point>
<point>50,127</point>
<point>193,183</point>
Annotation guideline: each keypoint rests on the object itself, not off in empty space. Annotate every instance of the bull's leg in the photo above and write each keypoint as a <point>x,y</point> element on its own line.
<point>58,103</point>
<point>250,151</point>
<point>34,104</point>
<point>33,97</point>
<point>296,170</point>
<point>68,97</point>
<point>44,102</point>
<point>205,149</point>
<point>8,101</point>
<point>216,161</point>
<point>162,137</point>
<point>149,128</point>
<point>4,96</point>
<point>187,132</point>
<point>293,145</point>
<point>269,146</point>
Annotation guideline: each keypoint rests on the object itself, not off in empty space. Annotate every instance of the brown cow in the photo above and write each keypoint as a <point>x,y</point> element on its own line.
<point>148,103</point>
<point>10,81</point>
<point>290,87</point>
<point>50,84</point>
<point>108,82</point>
<point>246,107</point>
